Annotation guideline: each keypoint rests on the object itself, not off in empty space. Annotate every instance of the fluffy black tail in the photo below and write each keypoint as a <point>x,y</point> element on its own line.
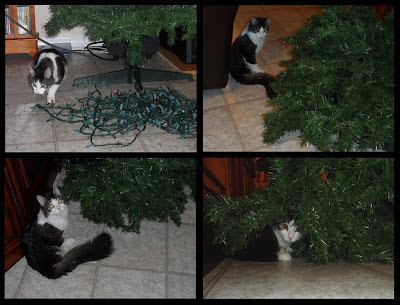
<point>257,79</point>
<point>98,248</point>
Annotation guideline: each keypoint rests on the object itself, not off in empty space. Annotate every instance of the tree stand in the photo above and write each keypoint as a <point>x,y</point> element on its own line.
<point>132,75</point>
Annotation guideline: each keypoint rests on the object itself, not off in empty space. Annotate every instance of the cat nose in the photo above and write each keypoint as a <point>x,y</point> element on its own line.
<point>290,238</point>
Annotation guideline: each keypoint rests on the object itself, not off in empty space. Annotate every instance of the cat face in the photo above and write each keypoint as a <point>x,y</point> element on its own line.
<point>259,26</point>
<point>39,86</point>
<point>53,206</point>
<point>288,231</point>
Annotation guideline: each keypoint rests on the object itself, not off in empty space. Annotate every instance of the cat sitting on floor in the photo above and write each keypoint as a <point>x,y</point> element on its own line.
<point>243,66</point>
<point>272,243</point>
<point>47,73</point>
<point>43,242</point>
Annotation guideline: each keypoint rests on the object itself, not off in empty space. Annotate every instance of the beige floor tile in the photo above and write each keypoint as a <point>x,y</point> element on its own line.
<point>248,280</point>
<point>249,120</point>
<point>115,283</point>
<point>24,129</point>
<point>235,92</point>
<point>219,131</point>
<point>168,142</point>
<point>213,98</point>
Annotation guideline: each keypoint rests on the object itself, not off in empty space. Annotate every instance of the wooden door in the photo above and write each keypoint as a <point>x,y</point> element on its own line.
<point>233,177</point>
<point>24,179</point>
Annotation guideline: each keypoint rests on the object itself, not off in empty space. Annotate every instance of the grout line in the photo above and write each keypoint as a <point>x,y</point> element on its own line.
<point>53,128</point>
<point>95,275</point>
<point>139,138</point>
<point>141,269</point>
<point>94,280</point>
<point>21,281</point>
<point>235,125</point>
<point>166,261</point>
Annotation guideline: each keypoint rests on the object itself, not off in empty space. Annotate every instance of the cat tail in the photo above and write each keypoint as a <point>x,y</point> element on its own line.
<point>98,248</point>
<point>259,79</point>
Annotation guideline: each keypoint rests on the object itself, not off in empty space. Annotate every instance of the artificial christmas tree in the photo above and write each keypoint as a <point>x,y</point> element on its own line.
<point>129,25</point>
<point>122,192</point>
<point>338,89</point>
<point>344,208</point>
<point>127,112</point>
<point>124,23</point>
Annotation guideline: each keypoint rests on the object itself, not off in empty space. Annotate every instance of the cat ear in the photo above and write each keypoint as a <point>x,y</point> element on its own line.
<point>41,200</point>
<point>31,72</point>
<point>56,191</point>
<point>253,20</point>
<point>47,73</point>
<point>267,21</point>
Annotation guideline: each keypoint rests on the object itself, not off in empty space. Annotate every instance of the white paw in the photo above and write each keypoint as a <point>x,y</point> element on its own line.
<point>51,100</point>
<point>289,250</point>
<point>69,242</point>
<point>257,69</point>
<point>284,256</point>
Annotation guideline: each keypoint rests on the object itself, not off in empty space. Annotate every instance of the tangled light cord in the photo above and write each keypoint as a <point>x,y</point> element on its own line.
<point>123,112</point>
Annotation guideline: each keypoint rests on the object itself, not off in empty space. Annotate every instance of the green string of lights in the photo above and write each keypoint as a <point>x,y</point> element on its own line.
<point>123,112</point>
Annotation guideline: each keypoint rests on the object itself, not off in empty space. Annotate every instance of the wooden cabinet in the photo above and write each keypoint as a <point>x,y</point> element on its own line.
<point>17,40</point>
<point>24,178</point>
<point>381,10</point>
<point>229,176</point>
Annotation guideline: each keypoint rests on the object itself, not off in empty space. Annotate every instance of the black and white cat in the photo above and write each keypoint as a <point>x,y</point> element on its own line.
<point>47,73</point>
<point>43,242</point>
<point>272,243</point>
<point>243,66</point>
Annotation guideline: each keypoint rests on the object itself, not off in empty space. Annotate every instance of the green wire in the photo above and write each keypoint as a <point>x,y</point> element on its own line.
<point>123,112</point>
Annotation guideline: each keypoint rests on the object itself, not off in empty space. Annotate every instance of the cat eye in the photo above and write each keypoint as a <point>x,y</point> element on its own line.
<point>60,201</point>
<point>43,86</point>
<point>51,206</point>
<point>284,226</point>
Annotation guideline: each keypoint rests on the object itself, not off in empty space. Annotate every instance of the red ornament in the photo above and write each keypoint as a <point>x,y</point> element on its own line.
<point>324,176</point>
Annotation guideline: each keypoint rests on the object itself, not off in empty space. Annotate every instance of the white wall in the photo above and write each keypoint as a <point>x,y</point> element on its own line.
<point>75,36</point>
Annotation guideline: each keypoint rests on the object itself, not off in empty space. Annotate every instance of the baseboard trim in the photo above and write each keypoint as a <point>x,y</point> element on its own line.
<point>77,41</point>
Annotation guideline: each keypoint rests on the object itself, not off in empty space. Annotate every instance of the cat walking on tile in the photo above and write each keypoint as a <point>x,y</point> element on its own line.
<point>243,65</point>
<point>47,73</point>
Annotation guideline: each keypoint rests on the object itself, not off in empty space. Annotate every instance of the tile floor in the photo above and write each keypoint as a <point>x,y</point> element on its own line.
<point>302,280</point>
<point>160,262</point>
<point>27,130</point>
<point>233,116</point>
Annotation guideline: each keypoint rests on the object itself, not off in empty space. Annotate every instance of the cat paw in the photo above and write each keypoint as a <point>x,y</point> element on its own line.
<point>284,256</point>
<point>69,241</point>
<point>289,250</point>
<point>50,100</point>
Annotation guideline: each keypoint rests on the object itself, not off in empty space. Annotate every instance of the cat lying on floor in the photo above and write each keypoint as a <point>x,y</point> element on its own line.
<point>272,243</point>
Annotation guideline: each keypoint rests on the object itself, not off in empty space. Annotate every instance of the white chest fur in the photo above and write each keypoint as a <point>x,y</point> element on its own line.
<point>282,243</point>
<point>258,39</point>
<point>58,221</point>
